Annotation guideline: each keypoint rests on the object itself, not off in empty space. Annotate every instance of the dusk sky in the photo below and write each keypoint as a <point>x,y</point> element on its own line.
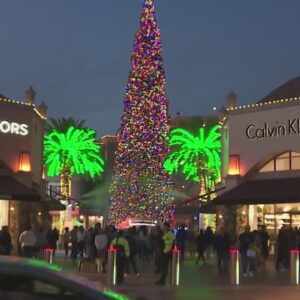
<point>76,53</point>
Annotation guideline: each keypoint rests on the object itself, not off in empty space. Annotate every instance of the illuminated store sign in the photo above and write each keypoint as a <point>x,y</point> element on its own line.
<point>13,128</point>
<point>254,132</point>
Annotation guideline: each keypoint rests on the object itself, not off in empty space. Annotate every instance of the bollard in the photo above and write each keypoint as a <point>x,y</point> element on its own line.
<point>112,266</point>
<point>48,255</point>
<point>294,266</point>
<point>175,267</point>
<point>235,267</point>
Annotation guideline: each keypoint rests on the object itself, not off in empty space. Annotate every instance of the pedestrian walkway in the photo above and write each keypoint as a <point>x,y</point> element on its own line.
<point>199,283</point>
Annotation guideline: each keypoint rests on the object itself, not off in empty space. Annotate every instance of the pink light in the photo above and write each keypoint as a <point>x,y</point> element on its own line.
<point>294,251</point>
<point>48,250</point>
<point>175,250</point>
<point>112,249</point>
<point>234,250</point>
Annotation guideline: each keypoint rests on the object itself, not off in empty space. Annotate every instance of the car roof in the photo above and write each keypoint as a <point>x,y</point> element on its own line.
<point>51,273</point>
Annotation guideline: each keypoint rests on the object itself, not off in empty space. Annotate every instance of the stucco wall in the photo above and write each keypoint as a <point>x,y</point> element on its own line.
<point>253,150</point>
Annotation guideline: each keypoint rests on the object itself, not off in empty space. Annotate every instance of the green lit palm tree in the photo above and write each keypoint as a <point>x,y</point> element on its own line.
<point>69,151</point>
<point>197,157</point>
<point>72,152</point>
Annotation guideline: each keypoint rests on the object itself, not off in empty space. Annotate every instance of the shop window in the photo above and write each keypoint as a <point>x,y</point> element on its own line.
<point>295,161</point>
<point>269,167</point>
<point>284,162</point>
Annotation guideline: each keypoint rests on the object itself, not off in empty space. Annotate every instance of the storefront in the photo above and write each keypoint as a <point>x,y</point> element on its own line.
<point>21,157</point>
<point>261,161</point>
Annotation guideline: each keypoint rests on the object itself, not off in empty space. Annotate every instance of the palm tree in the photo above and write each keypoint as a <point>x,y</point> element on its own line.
<point>69,151</point>
<point>197,157</point>
<point>63,124</point>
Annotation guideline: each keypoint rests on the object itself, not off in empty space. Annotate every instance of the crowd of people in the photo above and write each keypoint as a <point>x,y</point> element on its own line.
<point>156,244</point>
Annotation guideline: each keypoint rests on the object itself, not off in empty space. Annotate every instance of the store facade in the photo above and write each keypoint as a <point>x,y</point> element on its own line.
<point>261,161</point>
<point>21,163</point>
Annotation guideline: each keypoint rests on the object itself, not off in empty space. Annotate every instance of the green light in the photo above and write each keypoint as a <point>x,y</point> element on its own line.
<point>42,264</point>
<point>195,156</point>
<point>114,295</point>
<point>237,269</point>
<point>74,149</point>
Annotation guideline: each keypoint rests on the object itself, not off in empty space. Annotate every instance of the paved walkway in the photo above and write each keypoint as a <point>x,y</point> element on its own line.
<point>200,283</point>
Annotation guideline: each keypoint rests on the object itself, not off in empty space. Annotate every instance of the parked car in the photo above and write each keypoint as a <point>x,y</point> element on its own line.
<point>33,279</point>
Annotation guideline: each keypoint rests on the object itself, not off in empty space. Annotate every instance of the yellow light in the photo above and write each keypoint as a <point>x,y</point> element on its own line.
<point>24,162</point>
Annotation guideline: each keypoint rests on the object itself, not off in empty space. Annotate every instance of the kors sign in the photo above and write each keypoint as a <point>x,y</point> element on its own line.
<point>13,128</point>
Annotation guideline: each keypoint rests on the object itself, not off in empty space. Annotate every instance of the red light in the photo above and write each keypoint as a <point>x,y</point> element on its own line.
<point>24,162</point>
<point>112,249</point>
<point>175,250</point>
<point>48,250</point>
<point>294,251</point>
<point>234,250</point>
<point>234,165</point>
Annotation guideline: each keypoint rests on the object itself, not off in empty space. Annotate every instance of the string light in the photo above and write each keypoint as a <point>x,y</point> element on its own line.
<point>141,188</point>
<point>25,104</point>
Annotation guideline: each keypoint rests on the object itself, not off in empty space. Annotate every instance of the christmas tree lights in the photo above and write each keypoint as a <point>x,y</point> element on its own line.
<point>141,188</point>
<point>197,157</point>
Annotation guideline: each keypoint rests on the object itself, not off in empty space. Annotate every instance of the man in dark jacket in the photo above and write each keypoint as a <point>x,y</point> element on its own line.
<point>222,246</point>
<point>181,237</point>
<point>245,240</point>
<point>130,236</point>
<point>5,241</point>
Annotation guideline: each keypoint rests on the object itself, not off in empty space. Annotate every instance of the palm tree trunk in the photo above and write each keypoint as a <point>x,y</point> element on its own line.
<point>65,190</point>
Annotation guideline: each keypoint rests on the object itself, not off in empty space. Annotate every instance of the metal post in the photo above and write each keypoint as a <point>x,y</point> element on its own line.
<point>294,266</point>
<point>235,267</point>
<point>48,255</point>
<point>175,267</point>
<point>112,266</point>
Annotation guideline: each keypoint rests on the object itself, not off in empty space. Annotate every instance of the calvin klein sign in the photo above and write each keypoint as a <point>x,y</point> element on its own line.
<point>254,132</point>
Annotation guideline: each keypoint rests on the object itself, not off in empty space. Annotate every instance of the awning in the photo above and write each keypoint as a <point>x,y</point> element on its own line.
<point>264,191</point>
<point>54,205</point>
<point>11,189</point>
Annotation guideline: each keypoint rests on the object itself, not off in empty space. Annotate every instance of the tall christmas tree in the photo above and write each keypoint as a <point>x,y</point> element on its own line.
<point>141,188</point>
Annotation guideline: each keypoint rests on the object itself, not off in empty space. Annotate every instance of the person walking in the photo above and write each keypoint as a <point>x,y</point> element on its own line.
<point>52,237</point>
<point>5,241</point>
<point>132,242</point>
<point>73,238</point>
<point>245,240</point>
<point>201,247</point>
<point>123,252</point>
<point>264,238</point>
<point>66,240</point>
<point>168,239</point>
<point>28,241</point>
<point>209,242</point>
<point>222,246</point>
<point>81,235</point>
<point>181,238</point>
<point>143,244</point>
<point>41,241</point>
<point>158,248</point>
<point>101,244</point>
